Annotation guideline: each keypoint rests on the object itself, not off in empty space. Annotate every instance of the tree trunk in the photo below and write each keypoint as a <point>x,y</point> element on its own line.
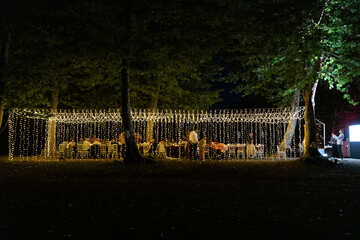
<point>4,61</point>
<point>132,155</point>
<point>5,48</point>
<point>290,130</point>
<point>51,140</point>
<point>310,145</point>
<point>153,106</point>
<point>2,110</point>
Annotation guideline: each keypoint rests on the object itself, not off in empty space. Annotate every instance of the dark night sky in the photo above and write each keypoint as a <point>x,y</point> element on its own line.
<point>232,100</point>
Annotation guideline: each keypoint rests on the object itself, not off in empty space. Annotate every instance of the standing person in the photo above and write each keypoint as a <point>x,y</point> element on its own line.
<point>202,145</point>
<point>339,142</point>
<point>153,146</point>
<point>333,145</point>
<point>250,147</point>
<point>161,149</point>
<point>194,140</point>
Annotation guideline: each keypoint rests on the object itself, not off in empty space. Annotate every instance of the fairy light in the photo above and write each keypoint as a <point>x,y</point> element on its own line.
<point>29,135</point>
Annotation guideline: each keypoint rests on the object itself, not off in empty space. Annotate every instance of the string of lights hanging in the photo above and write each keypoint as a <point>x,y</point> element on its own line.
<point>33,133</point>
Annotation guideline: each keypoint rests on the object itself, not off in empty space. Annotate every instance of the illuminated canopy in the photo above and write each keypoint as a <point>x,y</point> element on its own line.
<point>266,115</point>
<point>37,133</point>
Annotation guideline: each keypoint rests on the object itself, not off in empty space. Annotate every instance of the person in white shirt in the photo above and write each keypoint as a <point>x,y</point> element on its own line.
<point>339,141</point>
<point>161,150</point>
<point>194,140</point>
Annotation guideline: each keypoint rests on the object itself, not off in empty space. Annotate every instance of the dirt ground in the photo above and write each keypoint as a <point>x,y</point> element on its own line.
<point>179,200</point>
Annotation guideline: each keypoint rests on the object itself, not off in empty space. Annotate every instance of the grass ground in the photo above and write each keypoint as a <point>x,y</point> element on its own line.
<point>178,200</point>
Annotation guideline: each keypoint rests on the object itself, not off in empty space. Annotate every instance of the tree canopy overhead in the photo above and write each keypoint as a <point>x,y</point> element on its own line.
<point>77,48</point>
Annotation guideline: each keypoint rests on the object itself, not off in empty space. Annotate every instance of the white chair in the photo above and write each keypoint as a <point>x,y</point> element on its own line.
<point>241,149</point>
<point>260,151</point>
<point>83,151</point>
<point>280,154</point>
<point>62,149</point>
<point>146,147</point>
<point>103,151</point>
<point>232,151</point>
<point>207,152</point>
<point>301,149</point>
<point>108,147</point>
<point>114,151</point>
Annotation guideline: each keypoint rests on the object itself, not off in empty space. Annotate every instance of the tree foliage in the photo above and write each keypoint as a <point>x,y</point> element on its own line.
<point>78,48</point>
<point>307,42</point>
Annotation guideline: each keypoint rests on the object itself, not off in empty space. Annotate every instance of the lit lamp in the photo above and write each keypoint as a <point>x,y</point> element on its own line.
<point>354,137</point>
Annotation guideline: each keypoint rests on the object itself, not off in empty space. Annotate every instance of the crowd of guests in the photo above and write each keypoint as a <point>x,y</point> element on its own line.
<point>194,148</point>
<point>191,147</point>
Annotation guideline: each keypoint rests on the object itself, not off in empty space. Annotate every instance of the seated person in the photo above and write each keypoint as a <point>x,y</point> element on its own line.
<point>97,142</point>
<point>138,137</point>
<point>217,150</point>
<point>86,144</point>
<point>121,139</point>
<point>72,143</point>
<point>218,146</point>
<point>146,146</point>
<point>92,139</point>
<point>73,148</point>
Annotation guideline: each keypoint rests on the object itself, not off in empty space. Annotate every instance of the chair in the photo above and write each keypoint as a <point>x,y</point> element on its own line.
<point>95,151</point>
<point>280,153</point>
<point>301,149</point>
<point>146,147</point>
<point>207,152</point>
<point>83,151</point>
<point>260,149</point>
<point>241,148</point>
<point>62,149</point>
<point>232,151</point>
<point>108,147</point>
<point>103,151</point>
<point>68,151</point>
<point>114,151</point>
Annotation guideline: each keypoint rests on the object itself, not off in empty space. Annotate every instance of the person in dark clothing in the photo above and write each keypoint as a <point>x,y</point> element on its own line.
<point>339,142</point>
<point>332,143</point>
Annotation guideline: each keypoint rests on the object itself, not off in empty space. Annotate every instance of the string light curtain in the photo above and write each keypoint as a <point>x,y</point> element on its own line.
<point>30,129</point>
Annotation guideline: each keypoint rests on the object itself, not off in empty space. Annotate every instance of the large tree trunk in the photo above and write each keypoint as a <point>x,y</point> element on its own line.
<point>51,139</point>
<point>153,107</point>
<point>310,145</point>
<point>4,61</point>
<point>290,130</point>
<point>132,155</point>
<point>4,50</point>
<point>2,110</point>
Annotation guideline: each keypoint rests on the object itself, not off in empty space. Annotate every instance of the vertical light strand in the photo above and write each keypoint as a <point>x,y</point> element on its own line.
<point>11,136</point>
